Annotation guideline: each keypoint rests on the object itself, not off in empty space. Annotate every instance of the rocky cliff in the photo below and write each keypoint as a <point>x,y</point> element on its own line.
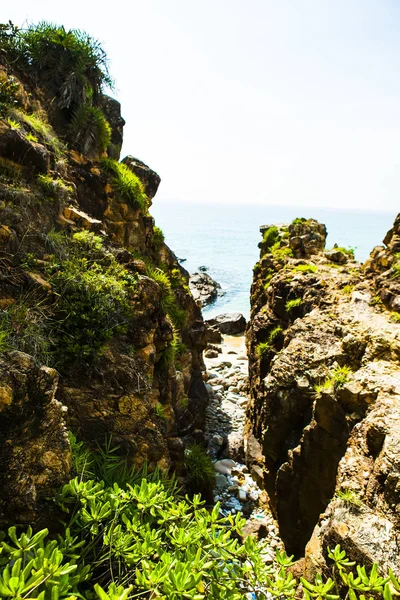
<point>98,330</point>
<point>322,432</point>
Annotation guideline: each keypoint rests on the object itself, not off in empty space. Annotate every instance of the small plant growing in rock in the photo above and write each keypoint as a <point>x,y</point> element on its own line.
<point>349,497</point>
<point>395,317</point>
<point>348,289</point>
<point>54,187</point>
<point>270,237</point>
<point>126,184</point>
<point>335,381</point>
<point>160,411</point>
<point>14,125</point>
<point>291,304</point>
<point>157,239</point>
<point>376,300</point>
<point>305,269</point>
<point>200,469</point>
<point>262,349</point>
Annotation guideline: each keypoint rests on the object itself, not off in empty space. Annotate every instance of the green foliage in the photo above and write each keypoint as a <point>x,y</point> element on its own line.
<point>139,539</point>
<point>126,183</point>
<point>168,301</point>
<point>347,251</point>
<point>13,124</point>
<point>199,468</point>
<point>291,304</point>
<point>31,138</point>
<point>160,411</point>
<point>262,349</point>
<point>54,187</point>
<point>349,497</point>
<point>299,221</point>
<point>39,128</point>
<point>376,300</point>
<point>305,269</point>
<point>70,63</point>
<point>89,130</point>
<point>281,252</point>
<point>26,326</point>
<point>395,317</point>
<point>8,94</point>
<point>335,381</point>
<point>270,237</point>
<point>157,239</point>
<point>348,289</point>
<point>88,240</point>
<point>93,306</point>
<point>395,269</point>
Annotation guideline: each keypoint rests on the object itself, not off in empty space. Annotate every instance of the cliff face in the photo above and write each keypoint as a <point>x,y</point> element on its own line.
<point>322,425</point>
<point>98,330</point>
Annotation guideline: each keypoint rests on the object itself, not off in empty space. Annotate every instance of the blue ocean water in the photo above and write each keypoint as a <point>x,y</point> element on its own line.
<point>224,238</point>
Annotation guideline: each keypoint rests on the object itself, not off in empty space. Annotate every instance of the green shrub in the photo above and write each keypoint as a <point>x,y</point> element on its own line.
<point>168,301</point>
<point>93,306</point>
<point>14,125</point>
<point>305,269</point>
<point>262,349</point>
<point>157,239</point>
<point>54,187</point>
<point>274,334</point>
<point>281,252</point>
<point>395,317</point>
<point>335,381</point>
<point>89,130</point>
<point>199,468</point>
<point>349,497</point>
<point>88,240</point>
<point>8,94</point>
<point>291,304</point>
<point>270,237</point>
<point>299,221</point>
<point>126,183</point>
<point>70,63</point>
<point>40,128</point>
<point>128,534</point>
<point>26,326</point>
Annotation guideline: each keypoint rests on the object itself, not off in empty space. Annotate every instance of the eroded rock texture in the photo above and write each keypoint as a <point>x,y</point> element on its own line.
<point>323,420</point>
<point>144,385</point>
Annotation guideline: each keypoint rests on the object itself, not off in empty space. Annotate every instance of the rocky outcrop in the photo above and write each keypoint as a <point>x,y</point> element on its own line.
<point>323,416</point>
<point>34,446</point>
<point>204,288</point>
<point>138,376</point>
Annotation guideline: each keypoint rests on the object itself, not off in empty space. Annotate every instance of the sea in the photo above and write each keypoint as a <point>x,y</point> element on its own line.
<point>224,238</point>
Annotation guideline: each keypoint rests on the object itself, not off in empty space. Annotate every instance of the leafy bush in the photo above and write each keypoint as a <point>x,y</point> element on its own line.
<point>126,183</point>
<point>200,469</point>
<point>168,301</point>
<point>335,381</point>
<point>26,326</point>
<point>262,349</point>
<point>140,539</point>
<point>93,306</point>
<point>270,237</point>
<point>89,130</point>
<point>8,93</point>
<point>157,239</point>
<point>70,63</point>
<point>299,221</point>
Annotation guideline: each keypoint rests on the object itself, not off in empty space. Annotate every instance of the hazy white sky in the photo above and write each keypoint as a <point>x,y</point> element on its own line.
<point>253,101</point>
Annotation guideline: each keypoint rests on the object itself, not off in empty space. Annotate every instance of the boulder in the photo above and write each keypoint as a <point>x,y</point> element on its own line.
<point>229,323</point>
<point>15,147</point>
<point>204,288</point>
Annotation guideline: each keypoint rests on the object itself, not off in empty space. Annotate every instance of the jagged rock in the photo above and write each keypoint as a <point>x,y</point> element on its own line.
<point>150,179</point>
<point>112,111</point>
<point>307,238</point>
<point>229,323</point>
<point>311,435</point>
<point>336,256</point>
<point>34,447</point>
<point>15,147</point>
<point>204,289</point>
<point>213,334</point>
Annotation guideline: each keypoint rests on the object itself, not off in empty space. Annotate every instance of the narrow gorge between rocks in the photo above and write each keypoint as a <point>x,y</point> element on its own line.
<point>121,407</point>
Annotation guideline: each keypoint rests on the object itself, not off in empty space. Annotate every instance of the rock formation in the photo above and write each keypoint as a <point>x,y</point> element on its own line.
<point>87,287</point>
<point>204,288</point>
<point>322,425</point>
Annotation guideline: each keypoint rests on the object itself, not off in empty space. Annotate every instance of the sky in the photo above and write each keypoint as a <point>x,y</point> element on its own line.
<point>293,102</point>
